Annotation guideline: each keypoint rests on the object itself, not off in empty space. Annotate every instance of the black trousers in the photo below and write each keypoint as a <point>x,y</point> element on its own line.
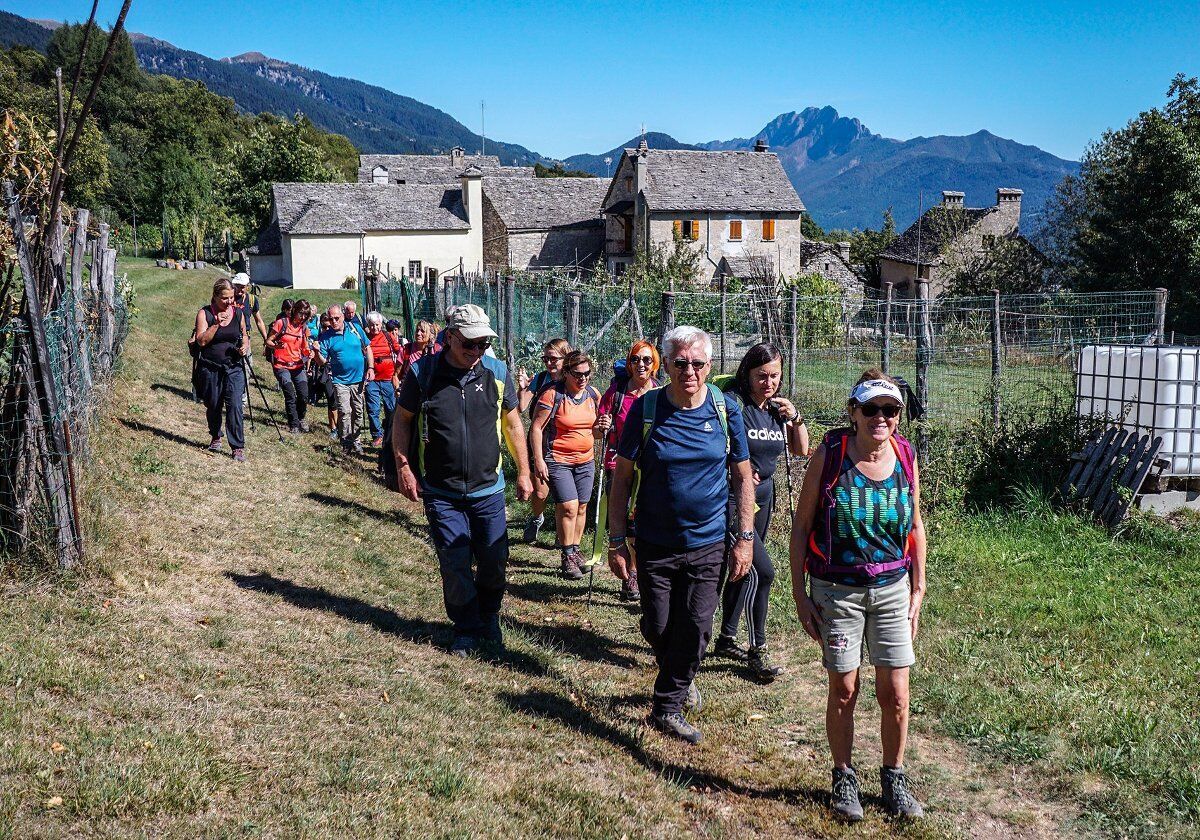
<point>294,384</point>
<point>751,595</point>
<point>221,390</point>
<point>679,596</point>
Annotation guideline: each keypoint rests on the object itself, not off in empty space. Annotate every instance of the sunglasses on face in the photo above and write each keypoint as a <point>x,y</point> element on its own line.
<point>549,359</point>
<point>682,364</point>
<point>890,411</point>
<point>479,345</point>
<point>580,374</point>
<point>648,361</point>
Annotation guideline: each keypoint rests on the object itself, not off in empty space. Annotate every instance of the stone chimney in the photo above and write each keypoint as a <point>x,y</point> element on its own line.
<point>472,194</point>
<point>643,145</point>
<point>844,250</point>
<point>1008,201</point>
<point>457,155</point>
<point>379,175</point>
<point>760,145</point>
<point>952,198</point>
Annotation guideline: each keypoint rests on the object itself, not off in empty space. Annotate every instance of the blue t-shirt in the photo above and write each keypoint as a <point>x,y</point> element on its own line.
<point>314,327</point>
<point>685,484</point>
<point>346,352</point>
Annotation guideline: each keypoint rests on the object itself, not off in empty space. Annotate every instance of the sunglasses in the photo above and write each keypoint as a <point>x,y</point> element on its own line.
<point>479,344</point>
<point>549,359</point>
<point>648,361</point>
<point>890,411</point>
<point>682,364</point>
<point>580,374</point>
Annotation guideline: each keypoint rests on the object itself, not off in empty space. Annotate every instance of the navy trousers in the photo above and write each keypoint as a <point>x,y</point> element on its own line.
<point>471,540</point>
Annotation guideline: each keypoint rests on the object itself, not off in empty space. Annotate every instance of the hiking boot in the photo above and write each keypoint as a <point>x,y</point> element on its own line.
<point>305,428</point>
<point>215,446</point>
<point>570,566</point>
<point>694,701</point>
<point>491,631</point>
<point>532,526</point>
<point>761,665</point>
<point>295,430</point>
<point>845,795</point>
<point>629,590</point>
<point>673,723</point>
<point>356,447</point>
<point>239,455</point>
<point>333,434</point>
<point>728,648</point>
<point>897,798</point>
<point>463,646</point>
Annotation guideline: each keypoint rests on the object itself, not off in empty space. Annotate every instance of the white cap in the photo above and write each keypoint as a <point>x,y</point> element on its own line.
<point>470,321</point>
<point>240,279</point>
<point>864,392</point>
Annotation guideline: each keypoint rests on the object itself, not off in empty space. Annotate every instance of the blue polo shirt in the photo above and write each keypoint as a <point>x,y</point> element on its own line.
<point>346,352</point>
<point>685,483</point>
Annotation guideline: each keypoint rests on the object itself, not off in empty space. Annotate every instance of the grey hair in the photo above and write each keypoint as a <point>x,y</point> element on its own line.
<point>329,311</point>
<point>349,305</point>
<point>683,337</point>
<point>375,318</point>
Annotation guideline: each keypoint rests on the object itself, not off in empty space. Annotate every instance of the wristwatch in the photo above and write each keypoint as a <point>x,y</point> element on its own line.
<point>742,535</point>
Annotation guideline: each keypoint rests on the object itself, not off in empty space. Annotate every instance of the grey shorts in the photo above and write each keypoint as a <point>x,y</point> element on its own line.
<point>571,482</point>
<point>858,617</point>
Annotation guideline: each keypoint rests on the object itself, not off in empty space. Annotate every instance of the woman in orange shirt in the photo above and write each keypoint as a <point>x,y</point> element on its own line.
<point>288,346</point>
<point>562,438</point>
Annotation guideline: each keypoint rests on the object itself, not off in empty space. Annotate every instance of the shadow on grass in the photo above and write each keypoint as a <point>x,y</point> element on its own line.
<point>416,528</point>
<point>554,707</point>
<point>173,437</point>
<point>579,642</point>
<point>382,619</point>
<point>172,389</point>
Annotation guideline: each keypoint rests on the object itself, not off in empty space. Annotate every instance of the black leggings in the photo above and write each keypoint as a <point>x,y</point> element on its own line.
<point>752,593</point>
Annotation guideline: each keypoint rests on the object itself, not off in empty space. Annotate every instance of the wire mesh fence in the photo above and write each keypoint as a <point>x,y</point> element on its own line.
<point>970,358</point>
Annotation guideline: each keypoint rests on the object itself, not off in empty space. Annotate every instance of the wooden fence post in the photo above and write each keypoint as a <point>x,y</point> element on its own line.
<point>667,313</point>
<point>573,318</point>
<point>1160,315</point>
<point>885,353</point>
<point>510,343</point>
<point>546,317</point>
<point>724,319</point>
<point>795,343</point>
<point>924,355</point>
<point>82,342</point>
<point>98,249</point>
<point>996,360</point>
<point>107,326</point>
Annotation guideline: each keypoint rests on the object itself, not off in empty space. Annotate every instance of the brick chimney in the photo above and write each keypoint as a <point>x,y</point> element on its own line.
<point>761,145</point>
<point>952,198</point>
<point>844,250</point>
<point>1008,200</point>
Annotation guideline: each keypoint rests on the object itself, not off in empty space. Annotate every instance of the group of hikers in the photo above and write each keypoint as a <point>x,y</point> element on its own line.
<point>689,470</point>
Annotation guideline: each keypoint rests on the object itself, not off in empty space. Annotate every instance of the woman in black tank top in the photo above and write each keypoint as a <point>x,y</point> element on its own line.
<point>220,375</point>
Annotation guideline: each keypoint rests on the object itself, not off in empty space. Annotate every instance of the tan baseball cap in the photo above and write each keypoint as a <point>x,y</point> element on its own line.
<point>470,321</point>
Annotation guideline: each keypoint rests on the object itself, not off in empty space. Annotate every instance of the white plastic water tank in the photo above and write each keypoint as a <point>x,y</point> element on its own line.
<point>1146,389</point>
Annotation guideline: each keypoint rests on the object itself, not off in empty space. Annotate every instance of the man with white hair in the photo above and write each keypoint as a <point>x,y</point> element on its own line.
<point>686,444</point>
<point>383,384</point>
<point>350,310</point>
<point>348,355</point>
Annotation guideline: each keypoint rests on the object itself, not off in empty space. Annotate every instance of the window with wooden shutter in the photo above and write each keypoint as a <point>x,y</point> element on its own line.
<point>678,228</point>
<point>693,227</point>
<point>735,230</point>
<point>768,230</point>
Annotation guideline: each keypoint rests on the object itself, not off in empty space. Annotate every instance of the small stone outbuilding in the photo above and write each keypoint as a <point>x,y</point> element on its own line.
<point>532,224</point>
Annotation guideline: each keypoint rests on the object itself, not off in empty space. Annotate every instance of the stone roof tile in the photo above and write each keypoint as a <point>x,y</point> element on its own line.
<point>544,203</point>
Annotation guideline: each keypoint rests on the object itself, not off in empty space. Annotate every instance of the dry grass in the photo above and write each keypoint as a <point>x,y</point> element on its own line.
<point>256,650</point>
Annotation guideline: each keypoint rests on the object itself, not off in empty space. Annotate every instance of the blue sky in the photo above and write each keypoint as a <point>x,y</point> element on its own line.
<point>582,77</point>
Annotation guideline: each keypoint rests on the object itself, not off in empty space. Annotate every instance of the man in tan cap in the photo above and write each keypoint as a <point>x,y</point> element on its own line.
<point>447,447</point>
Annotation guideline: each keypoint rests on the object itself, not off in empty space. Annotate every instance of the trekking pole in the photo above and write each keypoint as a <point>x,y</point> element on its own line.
<point>263,394</point>
<point>598,536</point>
<point>249,403</point>
<point>787,460</point>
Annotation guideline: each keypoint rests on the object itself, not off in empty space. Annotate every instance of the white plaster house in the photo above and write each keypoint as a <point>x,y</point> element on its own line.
<point>318,232</point>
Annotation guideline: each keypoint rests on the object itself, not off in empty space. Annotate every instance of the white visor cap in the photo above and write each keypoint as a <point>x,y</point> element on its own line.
<point>864,392</point>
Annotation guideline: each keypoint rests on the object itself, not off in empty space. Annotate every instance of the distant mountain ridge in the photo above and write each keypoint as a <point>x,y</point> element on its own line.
<point>848,176</point>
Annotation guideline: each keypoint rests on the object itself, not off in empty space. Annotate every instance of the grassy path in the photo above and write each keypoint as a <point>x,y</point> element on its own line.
<point>258,652</point>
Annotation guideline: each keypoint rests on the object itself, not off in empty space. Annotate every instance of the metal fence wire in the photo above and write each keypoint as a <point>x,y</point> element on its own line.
<point>971,358</point>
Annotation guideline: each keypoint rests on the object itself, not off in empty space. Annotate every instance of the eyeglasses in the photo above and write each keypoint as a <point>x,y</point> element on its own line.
<point>889,411</point>
<point>549,359</point>
<point>648,361</point>
<point>477,345</point>
<point>580,374</point>
<point>697,365</point>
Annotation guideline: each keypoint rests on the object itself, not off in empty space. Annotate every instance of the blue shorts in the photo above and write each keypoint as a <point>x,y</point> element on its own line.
<point>572,482</point>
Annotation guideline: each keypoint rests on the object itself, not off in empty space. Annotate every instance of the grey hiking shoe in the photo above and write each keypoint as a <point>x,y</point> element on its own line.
<point>762,667</point>
<point>673,723</point>
<point>845,795</point>
<point>695,700</point>
<point>728,648</point>
<point>897,798</point>
<point>305,428</point>
<point>629,590</point>
<point>463,646</point>
<point>570,566</point>
<point>239,455</point>
<point>532,526</point>
<point>215,446</point>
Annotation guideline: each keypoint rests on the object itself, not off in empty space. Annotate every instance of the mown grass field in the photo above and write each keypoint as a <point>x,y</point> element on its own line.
<point>257,650</point>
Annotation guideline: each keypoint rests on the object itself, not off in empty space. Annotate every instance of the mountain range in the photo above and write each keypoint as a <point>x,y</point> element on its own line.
<point>846,175</point>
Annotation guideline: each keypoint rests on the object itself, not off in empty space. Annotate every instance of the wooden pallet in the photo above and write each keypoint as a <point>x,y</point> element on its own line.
<point>1108,475</point>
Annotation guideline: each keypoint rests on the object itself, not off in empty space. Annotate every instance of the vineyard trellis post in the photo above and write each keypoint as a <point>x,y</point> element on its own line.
<point>724,319</point>
<point>667,312</point>
<point>510,345</point>
<point>996,339</point>
<point>572,318</point>
<point>795,348</point>
<point>1160,315</point>
<point>546,316</point>
<point>924,354</point>
<point>885,352</point>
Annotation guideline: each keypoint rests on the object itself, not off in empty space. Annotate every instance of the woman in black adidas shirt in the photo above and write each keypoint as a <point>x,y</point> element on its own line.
<point>771,422</point>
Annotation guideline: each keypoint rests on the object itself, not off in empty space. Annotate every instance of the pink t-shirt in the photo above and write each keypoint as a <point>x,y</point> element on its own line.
<point>619,414</point>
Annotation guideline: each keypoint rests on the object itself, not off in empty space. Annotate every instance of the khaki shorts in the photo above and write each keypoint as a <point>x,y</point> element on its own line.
<point>854,617</point>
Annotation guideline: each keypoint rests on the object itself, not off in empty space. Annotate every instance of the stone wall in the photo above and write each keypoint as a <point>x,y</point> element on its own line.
<point>714,241</point>
<point>556,247</point>
<point>830,265</point>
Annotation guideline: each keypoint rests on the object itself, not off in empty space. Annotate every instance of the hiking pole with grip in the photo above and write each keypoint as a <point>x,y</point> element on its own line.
<point>601,520</point>
<point>249,404</point>
<point>263,394</point>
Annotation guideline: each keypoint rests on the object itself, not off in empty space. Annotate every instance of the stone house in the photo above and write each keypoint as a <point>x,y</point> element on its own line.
<point>432,169</point>
<point>727,205</point>
<point>945,235</point>
<point>318,232</point>
<point>532,224</point>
